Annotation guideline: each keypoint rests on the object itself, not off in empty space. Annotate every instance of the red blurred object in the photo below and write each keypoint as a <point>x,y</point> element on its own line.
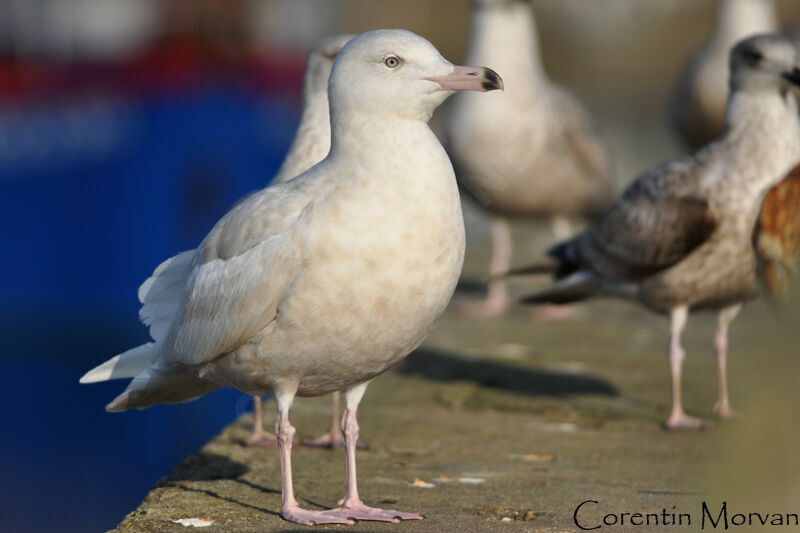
<point>776,238</point>
<point>174,62</point>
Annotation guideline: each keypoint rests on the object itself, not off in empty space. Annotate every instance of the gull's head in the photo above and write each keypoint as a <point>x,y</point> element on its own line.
<point>320,63</point>
<point>764,62</point>
<point>398,73</point>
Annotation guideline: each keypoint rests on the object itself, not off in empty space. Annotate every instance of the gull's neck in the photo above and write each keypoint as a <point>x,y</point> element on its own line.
<point>762,126</point>
<point>312,140</point>
<point>746,108</point>
<point>379,142</point>
<point>737,19</point>
<point>505,38</point>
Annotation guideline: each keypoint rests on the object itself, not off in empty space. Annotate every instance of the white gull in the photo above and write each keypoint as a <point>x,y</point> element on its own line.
<point>322,282</point>
<point>527,153</point>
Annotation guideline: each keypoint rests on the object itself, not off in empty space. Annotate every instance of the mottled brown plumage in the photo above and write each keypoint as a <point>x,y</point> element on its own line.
<point>621,246</point>
<point>776,238</point>
<point>680,236</point>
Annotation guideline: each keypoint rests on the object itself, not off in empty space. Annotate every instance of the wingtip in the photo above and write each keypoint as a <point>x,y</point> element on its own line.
<point>99,373</point>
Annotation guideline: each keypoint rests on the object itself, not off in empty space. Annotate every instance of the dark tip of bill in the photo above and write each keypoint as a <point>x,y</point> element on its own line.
<point>793,76</point>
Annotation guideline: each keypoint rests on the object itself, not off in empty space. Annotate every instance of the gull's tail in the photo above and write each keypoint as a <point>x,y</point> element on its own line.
<point>572,283</point>
<point>573,288</point>
<point>124,365</point>
<point>152,382</point>
<point>160,384</point>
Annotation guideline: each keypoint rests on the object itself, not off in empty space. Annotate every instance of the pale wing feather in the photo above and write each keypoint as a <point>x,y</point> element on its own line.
<point>240,274</point>
<point>161,294</point>
<point>228,301</point>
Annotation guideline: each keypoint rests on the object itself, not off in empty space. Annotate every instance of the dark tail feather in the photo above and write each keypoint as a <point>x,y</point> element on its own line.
<point>564,254</point>
<point>559,264</point>
<point>573,288</point>
<point>543,267</point>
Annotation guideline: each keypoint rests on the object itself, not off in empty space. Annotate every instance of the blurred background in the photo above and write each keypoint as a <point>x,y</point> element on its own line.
<point>128,127</point>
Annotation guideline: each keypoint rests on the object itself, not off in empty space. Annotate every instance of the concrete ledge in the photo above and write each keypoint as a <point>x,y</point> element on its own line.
<point>545,428</point>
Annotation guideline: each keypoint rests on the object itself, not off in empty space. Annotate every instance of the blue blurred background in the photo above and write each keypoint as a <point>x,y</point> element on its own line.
<point>122,140</point>
<point>128,127</point>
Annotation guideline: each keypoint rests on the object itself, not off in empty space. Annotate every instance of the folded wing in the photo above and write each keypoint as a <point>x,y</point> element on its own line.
<point>657,222</point>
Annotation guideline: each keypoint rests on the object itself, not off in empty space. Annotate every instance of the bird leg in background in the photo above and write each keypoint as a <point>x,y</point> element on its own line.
<point>290,509</point>
<point>259,437</point>
<point>562,228</point>
<point>502,247</point>
<point>726,316</point>
<point>497,301</point>
<point>352,506</point>
<point>334,437</point>
<point>678,420</point>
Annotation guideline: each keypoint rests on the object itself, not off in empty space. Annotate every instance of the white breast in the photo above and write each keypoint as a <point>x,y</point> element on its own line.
<point>384,254</point>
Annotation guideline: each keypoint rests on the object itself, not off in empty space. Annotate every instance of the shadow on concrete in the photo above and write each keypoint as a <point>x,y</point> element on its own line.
<point>446,366</point>
<point>219,496</point>
<point>205,466</point>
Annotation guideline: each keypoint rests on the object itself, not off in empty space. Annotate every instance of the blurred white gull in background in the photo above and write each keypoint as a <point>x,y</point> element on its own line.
<point>697,110</point>
<point>323,282</point>
<point>529,152</point>
<point>310,145</point>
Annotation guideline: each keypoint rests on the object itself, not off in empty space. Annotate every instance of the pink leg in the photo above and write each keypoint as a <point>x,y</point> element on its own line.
<point>259,437</point>
<point>678,420</point>
<point>497,300</point>
<point>290,510</point>
<point>334,437</point>
<point>726,316</point>
<point>352,506</point>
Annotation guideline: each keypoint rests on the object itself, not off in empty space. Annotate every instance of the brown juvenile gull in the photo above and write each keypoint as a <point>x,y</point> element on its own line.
<point>529,152</point>
<point>697,110</point>
<point>310,146</point>
<point>679,237</point>
<point>776,239</point>
<point>321,283</point>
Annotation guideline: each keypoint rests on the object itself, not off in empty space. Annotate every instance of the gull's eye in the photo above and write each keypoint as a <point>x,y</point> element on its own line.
<point>753,56</point>
<point>392,62</point>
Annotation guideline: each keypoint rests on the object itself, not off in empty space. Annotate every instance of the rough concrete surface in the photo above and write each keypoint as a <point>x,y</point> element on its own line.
<point>547,415</point>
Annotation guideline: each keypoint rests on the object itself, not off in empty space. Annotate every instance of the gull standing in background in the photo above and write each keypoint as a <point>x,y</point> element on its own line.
<point>310,146</point>
<point>679,237</point>
<point>697,111</point>
<point>323,282</point>
<point>529,153</point>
